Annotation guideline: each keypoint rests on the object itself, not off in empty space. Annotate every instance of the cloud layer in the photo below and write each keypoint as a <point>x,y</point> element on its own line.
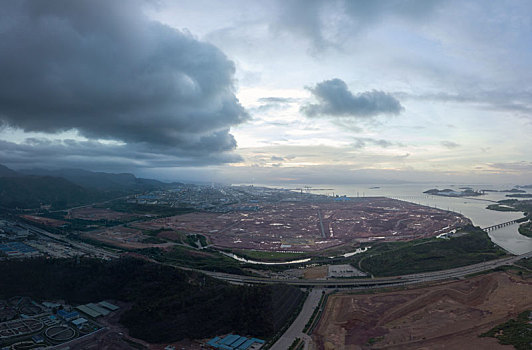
<point>335,99</point>
<point>109,72</point>
<point>94,155</point>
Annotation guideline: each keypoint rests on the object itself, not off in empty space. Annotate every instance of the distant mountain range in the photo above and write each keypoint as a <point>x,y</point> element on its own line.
<point>6,172</point>
<point>63,188</point>
<point>102,181</point>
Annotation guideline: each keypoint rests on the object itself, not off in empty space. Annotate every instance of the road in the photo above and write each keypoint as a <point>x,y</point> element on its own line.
<point>296,328</point>
<point>84,247</point>
<point>364,283</point>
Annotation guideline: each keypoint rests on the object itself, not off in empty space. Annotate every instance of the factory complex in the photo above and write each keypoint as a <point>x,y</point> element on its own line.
<point>27,324</point>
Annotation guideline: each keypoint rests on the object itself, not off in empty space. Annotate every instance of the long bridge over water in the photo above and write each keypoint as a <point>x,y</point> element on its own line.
<point>498,226</point>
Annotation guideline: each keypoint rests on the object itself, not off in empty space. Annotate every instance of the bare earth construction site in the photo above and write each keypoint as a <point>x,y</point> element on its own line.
<point>312,226</point>
<point>447,316</point>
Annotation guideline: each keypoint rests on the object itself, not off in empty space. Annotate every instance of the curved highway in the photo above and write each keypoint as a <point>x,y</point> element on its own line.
<point>458,272</point>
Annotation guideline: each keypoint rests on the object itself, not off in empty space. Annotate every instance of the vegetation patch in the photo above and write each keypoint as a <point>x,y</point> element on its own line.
<point>316,315</point>
<point>153,240</point>
<point>196,241</point>
<point>516,332</point>
<point>526,229</point>
<point>187,257</point>
<point>526,263</point>
<point>399,258</point>
<point>500,207</point>
<point>513,205</point>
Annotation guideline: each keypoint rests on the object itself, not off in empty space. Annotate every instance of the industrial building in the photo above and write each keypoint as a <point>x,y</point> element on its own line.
<point>103,308</point>
<point>109,306</point>
<point>102,311</point>
<point>79,322</point>
<point>18,249</point>
<point>235,342</point>
<point>67,316</point>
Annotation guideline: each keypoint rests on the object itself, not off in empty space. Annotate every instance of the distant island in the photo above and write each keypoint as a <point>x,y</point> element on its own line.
<point>467,192</point>
<point>525,186</point>
<point>520,195</point>
<point>513,190</point>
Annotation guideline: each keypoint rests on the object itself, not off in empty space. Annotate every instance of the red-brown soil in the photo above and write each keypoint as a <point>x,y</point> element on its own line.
<point>44,221</point>
<point>444,316</point>
<point>124,237</point>
<point>311,226</point>
<point>94,214</point>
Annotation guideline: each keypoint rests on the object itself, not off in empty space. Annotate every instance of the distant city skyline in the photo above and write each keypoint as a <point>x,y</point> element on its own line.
<point>270,92</point>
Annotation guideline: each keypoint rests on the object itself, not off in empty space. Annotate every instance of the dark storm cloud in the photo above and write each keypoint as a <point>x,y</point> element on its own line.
<point>105,69</point>
<point>335,99</point>
<point>45,153</point>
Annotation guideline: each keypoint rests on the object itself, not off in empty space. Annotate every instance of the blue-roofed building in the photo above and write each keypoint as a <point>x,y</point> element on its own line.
<point>214,342</point>
<point>230,339</point>
<point>67,316</point>
<point>14,249</point>
<point>233,342</point>
<point>246,345</point>
<point>37,339</point>
<point>239,342</point>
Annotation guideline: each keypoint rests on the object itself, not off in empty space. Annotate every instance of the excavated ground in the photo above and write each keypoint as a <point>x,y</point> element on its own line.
<point>444,316</point>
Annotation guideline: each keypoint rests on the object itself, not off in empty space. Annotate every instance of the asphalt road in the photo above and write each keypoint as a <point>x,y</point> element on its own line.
<point>296,328</point>
<point>374,282</point>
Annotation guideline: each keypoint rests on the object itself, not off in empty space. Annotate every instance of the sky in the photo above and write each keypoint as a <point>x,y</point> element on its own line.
<point>270,92</point>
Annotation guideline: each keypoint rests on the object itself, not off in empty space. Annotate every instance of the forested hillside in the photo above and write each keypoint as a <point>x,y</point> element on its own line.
<point>32,191</point>
<point>168,304</point>
<point>29,189</point>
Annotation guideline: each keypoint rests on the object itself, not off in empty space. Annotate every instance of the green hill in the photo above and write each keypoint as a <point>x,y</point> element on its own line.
<point>28,189</point>
<point>123,182</point>
<point>168,304</point>
<point>6,172</point>
<point>32,191</point>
